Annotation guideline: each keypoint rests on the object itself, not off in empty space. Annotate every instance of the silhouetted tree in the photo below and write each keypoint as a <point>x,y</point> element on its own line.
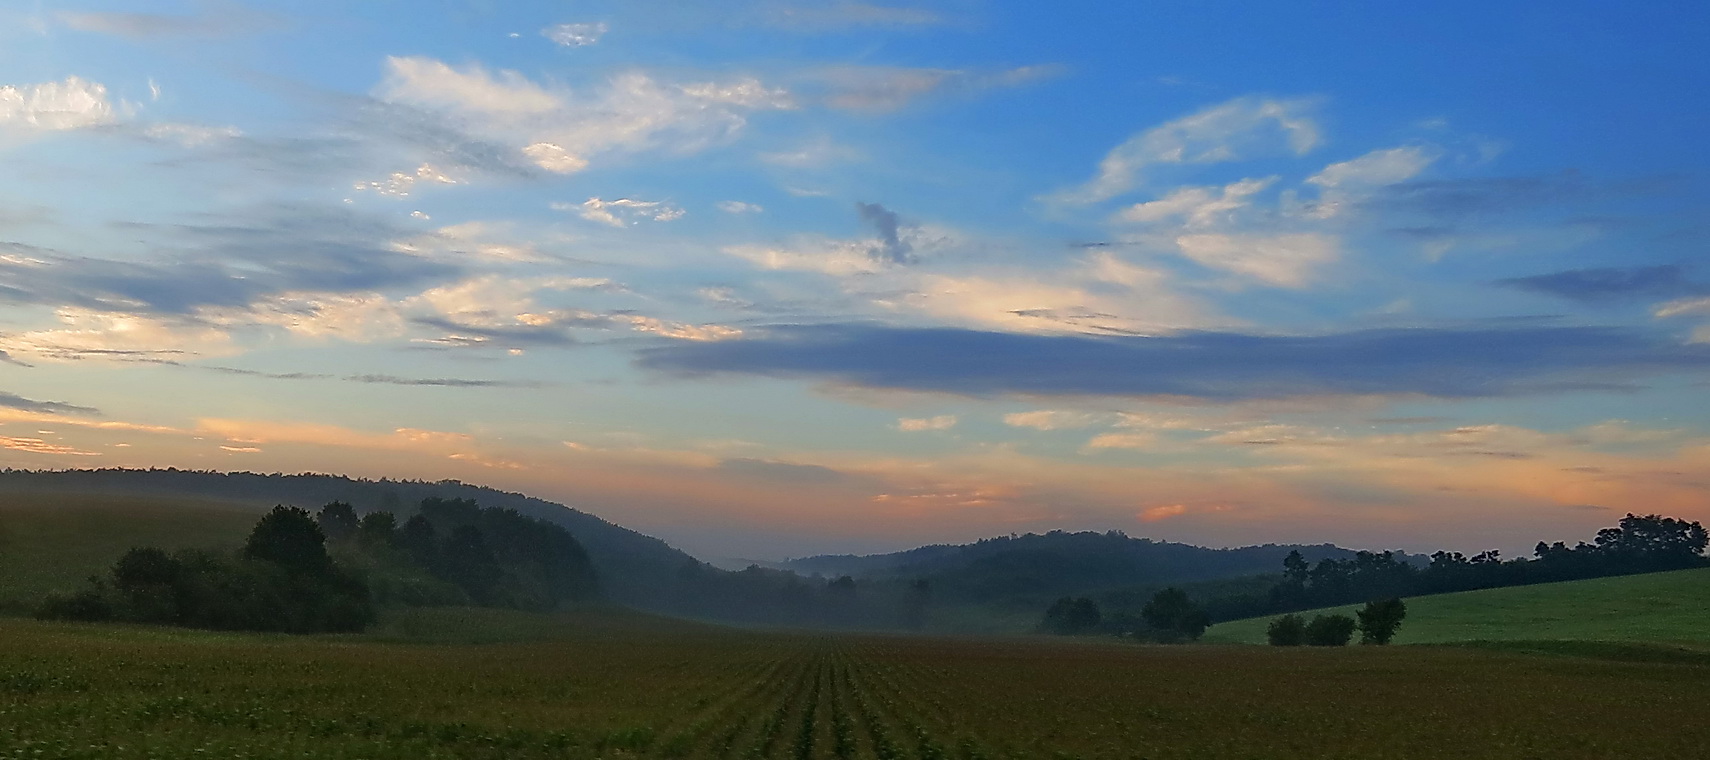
<point>1286,631</point>
<point>1173,616</point>
<point>1380,620</point>
<point>1072,616</point>
<point>289,537</point>
<point>338,522</point>
<point>1330,631</point>
<point>376,530</point>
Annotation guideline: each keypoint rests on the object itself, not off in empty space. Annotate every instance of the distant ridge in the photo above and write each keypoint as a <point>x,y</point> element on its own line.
<point>1040,565</point>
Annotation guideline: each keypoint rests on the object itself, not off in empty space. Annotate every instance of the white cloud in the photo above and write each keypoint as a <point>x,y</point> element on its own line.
<point>433,84</point>
<point>1049,419</point>
<point>739,207</point>
<point>917,424</point>
<point>1221,133</point>
<point>55,106</point>
<point>1377,168</point>
<point>1345,182</point>
<point>401,184</point>
<point>1284,260</point>
<point>355,317</point>
<point>819,153</point>
<point>622,212</point>
<point>190,135</point>
<point>561,131</point>
<point>554,158</point>
<point>88,334</point>
<point>839,258</point>
<point>1683,307</point>
<point>1123,441</point>
<point>575,35</point>
<point>1199,207</point>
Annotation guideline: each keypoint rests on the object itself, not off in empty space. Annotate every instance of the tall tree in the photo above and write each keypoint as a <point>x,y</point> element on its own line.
<point>289,537</point>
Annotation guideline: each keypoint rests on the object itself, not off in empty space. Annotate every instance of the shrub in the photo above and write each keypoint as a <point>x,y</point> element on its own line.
<point>1330,631</point>
<point>1380,620</point>
<point>1287,631</point>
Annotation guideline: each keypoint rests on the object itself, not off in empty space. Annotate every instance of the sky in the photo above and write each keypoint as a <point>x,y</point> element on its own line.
<point>770,278</point>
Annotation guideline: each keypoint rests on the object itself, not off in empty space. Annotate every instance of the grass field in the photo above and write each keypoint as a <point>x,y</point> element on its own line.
<point>1655,607</point>
<point>613,684</point>
<point>52,542</point>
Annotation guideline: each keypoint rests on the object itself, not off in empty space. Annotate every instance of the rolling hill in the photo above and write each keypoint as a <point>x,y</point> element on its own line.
<point>52,542</point>
<point>1671,607</point>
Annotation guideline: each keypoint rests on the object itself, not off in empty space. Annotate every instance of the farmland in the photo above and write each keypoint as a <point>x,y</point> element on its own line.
<point>609,683</point>
<point>1657,607</point>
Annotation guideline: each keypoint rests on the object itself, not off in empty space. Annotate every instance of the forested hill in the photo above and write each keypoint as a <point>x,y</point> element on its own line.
<point>1060,562</point>
<point>634,568</point>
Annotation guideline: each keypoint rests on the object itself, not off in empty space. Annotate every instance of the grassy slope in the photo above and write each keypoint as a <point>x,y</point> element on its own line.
<point>52,542</point>
<point>1656,607</point>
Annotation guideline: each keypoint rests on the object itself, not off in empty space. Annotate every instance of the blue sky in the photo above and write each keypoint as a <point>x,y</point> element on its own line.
<point>775,278</point>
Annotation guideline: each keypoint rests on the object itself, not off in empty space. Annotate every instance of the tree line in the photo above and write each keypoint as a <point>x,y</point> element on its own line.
<point>331,571</point>
<point>1637,544</point>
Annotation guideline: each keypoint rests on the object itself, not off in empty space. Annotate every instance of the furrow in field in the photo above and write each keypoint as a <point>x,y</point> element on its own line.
<point>723,713</point>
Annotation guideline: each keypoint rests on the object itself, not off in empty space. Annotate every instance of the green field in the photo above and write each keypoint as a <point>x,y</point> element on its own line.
<point>1656,607</point>
<point>53,542</point>
<point>610,684</point>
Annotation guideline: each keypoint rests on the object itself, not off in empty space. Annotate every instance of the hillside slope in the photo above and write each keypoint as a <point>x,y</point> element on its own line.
<point>1653,607</point>
<point>634,568</point>
<point>53,542</point>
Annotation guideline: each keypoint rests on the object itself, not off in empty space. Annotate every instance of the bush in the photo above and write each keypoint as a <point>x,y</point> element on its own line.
<point>1330,631</point>
<point>1286,631</point>
<point>1380,620</point>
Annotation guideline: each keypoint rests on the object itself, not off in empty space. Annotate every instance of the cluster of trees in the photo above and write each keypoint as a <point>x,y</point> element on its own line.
<point>283,580</point>
<point>452,551</point>
<point>1637,544</point>
<point>1378,623</point>
<point>327,572</point>
<point>1169,617</point>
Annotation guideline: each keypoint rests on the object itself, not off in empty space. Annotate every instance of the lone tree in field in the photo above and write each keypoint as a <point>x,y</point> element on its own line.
<point>1071,617</point>
<point>1173,616</point>
<point>1380,620</point>
<point>1330,631</point>
<point>1286,631</point>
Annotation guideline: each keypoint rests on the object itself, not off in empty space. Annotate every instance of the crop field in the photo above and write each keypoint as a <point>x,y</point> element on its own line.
<point>1654,607</point>
<point>52,542</point>
<point>614,684</point>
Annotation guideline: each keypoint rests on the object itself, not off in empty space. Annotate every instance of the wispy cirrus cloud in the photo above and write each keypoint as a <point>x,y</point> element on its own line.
<point>214,19</point>
<point>880,89</point>
<point>1240,128</point>
<point>560,131</point>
